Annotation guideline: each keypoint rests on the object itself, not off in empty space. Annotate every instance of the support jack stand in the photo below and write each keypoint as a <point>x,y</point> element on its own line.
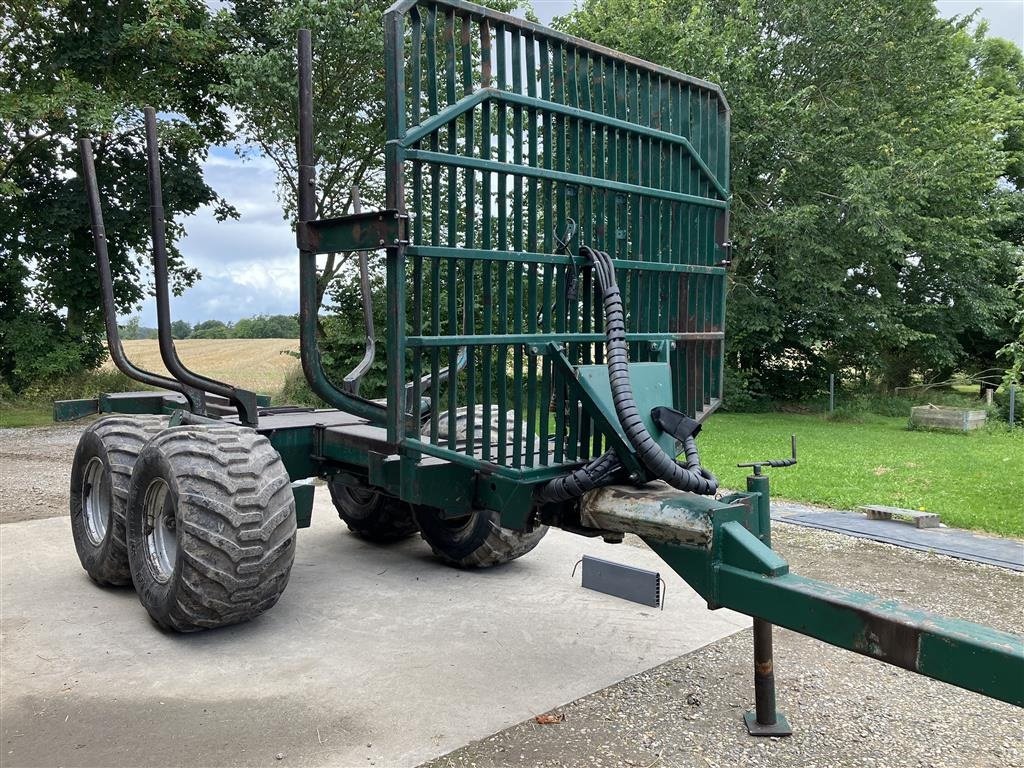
<point>765,720</point>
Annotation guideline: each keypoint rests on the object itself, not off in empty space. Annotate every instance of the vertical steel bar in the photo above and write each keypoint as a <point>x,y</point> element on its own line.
<point>765,720</point>
<point>567,315</point>
<point>196,399</point>
<point>452,286</point>
<point>244,401</point>
<point>551,86</point>
<point>433,106</point>
<point>469,265</point>
<point>531,244</point>
<point>415,116</point>
<point>487,350</point>
<point>501,54</point>
<point>517,240</point>
<point>394,76</point>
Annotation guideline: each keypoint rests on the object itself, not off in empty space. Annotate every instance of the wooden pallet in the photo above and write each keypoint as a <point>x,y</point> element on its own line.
<point>919,519</point>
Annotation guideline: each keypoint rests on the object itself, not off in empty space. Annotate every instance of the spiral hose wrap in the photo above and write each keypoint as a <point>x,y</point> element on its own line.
<point>601,471</point>
<point>688,475</point>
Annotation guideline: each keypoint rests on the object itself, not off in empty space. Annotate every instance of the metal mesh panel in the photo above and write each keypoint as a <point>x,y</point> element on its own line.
<point>501,134</point>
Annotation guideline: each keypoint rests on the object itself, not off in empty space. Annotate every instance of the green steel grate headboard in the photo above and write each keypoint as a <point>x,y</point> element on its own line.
<point>500,132</point>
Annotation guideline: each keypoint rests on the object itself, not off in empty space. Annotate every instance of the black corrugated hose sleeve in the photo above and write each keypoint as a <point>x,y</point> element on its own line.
<point>688,476</point>
<point>600,471</point>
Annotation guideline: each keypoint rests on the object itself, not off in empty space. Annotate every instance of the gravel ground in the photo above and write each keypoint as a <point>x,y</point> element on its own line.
<point>845,709</point>
<point>35,471</point>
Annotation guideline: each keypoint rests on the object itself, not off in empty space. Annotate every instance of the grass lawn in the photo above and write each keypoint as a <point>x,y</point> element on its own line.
<point>26,415</point>
<point>973,480</point>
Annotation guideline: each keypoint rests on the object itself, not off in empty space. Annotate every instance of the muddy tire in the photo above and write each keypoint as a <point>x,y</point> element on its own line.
<point>211,527</point>
<point>476,541</point>
<point>372,515</point>
<point>100,476</point>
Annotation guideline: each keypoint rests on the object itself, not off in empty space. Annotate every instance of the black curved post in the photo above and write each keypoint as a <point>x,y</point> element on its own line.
<point>196,399</point>
<point>351,382</point>
<point>312,366</point>
<point>243,400</point>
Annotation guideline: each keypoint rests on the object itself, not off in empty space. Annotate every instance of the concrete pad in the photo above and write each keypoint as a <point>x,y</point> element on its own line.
<point>374,656</point>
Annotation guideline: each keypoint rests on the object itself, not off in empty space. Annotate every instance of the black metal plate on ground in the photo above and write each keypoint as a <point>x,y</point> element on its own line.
<point>625,581</point>
<point>952,542</point>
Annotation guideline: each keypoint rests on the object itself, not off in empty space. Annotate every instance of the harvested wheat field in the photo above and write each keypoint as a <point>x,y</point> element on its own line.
<point>260,365</point>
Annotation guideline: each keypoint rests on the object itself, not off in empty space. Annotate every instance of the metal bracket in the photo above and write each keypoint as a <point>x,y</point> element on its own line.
<point>367,231</point>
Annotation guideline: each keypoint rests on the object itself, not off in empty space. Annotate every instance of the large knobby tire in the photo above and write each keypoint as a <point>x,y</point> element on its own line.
<point>100,475</point>
<point>476,541</point>
<point>211,527</point>
<point>372,515</point>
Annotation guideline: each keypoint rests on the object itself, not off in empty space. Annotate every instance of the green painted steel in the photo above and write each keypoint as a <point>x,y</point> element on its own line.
<point>740,572</point>
<point>502,135</point>
<point>303,493</point>
<point>146,401</point>
<point>142,402</point>
<point>357,232</point>
<point>70,410</point>
<point>652,387</point>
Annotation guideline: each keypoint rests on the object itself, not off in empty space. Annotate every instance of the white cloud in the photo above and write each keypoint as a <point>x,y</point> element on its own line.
<point>250,265</point>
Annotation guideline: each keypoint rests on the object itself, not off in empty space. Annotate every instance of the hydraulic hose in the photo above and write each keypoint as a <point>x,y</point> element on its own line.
<point>687,475</point>
<point>601,471</point>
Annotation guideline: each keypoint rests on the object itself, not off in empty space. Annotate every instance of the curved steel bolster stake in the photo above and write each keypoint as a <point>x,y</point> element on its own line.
<point>196,398</point>
<point>461,358</point>
<point>242,399</point>
<point>351,382</point>
<point>312,365</point>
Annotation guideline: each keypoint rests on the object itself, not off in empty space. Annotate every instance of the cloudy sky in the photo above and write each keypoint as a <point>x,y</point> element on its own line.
<point>250,266</point>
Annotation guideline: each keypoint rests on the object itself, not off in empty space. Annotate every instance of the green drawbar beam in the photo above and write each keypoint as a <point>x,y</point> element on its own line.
<point>967,655</point>
<point>741,573</point>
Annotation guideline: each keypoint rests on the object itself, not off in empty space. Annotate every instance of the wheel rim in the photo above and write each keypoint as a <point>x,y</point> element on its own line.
<point>96,501</point>
<point>161,531</point>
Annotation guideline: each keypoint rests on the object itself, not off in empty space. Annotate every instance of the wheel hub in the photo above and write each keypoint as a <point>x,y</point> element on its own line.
<point>161,531</point>
<point>96,501</point>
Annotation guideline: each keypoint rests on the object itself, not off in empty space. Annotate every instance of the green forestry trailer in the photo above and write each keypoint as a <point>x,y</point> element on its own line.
<point>555,236</point>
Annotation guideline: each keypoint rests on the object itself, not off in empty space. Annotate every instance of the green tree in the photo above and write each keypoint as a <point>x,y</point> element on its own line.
<point>130,329</point>
<point>211,329</point>
<point>69,70</point>
<point>865,168</point>
<point>1000,66</point>
<point>181,329</point>
<point>348,93</point>
<point>267,327</point>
